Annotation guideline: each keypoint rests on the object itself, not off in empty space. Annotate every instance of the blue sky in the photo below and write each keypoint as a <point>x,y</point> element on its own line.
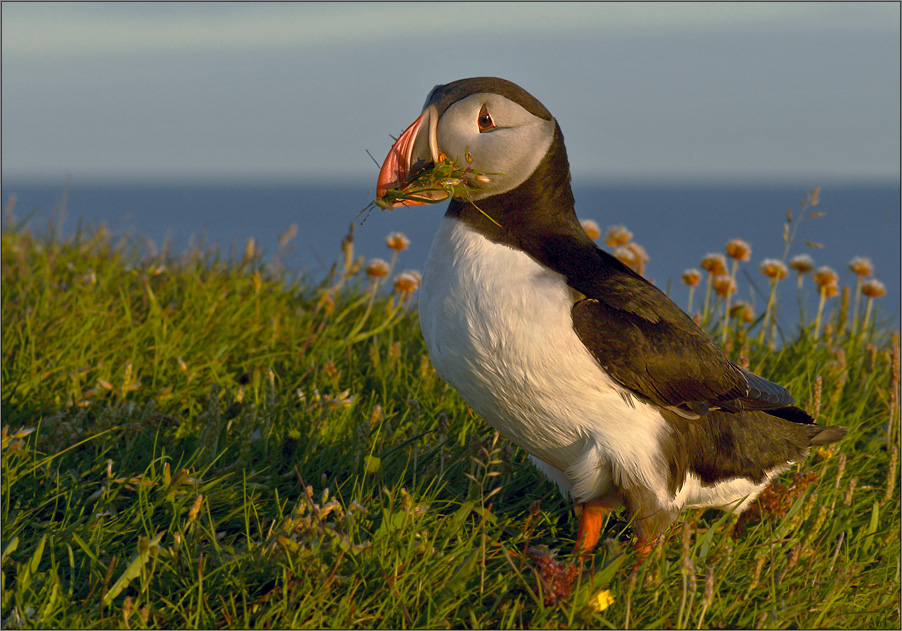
<point>643,91</point>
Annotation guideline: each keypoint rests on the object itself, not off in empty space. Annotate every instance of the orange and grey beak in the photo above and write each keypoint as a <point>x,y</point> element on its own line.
<point>414,151</point>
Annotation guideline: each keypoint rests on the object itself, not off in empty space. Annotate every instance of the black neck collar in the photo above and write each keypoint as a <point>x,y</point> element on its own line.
<point>534,217</point>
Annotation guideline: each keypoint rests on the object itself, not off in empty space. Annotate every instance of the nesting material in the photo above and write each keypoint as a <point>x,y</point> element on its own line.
<point>434,184</point>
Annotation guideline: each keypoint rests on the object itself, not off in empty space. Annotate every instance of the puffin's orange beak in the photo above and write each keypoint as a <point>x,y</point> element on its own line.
<point>411,153</point>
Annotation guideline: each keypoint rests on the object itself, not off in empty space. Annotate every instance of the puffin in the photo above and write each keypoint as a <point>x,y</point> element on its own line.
<point>615,393</point>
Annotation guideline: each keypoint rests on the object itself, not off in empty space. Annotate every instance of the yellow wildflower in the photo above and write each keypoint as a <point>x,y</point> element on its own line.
<point>591,228</point>
<point>773,269</point>
<point>397,241</point>
<point>861,266</point>
<point>406,283</point>
<point>739,250</point>
<point>873,288</point>
<point>601,600</point>
<point>724,285</point>
<point>714,264</point>
<point>377,268</point>
<point>825,276</point>
<point>691,277</point>
<point>617,235</point>
<point>823,453</point>
<point>801,263</point>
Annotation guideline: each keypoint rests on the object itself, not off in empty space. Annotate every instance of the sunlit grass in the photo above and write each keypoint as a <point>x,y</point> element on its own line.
<point>195,441</point>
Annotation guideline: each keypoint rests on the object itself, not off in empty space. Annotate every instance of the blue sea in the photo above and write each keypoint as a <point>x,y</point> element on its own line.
<point>677,225</point>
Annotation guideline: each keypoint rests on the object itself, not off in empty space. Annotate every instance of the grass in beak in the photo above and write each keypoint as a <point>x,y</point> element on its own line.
<point>435,184</point>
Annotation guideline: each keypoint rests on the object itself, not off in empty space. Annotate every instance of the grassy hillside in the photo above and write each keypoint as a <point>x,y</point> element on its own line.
<point>197,442</point>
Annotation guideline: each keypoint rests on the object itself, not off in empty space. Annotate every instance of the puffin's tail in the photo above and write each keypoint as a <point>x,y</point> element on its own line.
<point>827,435</point>
<point>817,434</point>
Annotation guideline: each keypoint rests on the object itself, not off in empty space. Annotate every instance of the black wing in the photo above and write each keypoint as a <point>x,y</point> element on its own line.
<point>649,345</point>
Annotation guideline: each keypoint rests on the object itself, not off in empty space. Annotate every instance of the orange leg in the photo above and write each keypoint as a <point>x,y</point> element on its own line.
<point>590,521</point>
<point>643,547</point>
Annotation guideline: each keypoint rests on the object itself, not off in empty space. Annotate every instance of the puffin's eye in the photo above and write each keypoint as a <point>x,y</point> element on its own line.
<point>484,121</point>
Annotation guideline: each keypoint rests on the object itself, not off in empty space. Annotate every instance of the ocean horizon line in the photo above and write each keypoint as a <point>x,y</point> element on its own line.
<point>632,181</point>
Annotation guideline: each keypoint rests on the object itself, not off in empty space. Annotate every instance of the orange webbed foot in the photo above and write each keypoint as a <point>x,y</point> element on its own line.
<point>591,519</point>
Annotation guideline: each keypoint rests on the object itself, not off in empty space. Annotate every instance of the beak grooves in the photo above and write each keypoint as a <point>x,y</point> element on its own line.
<point>415,149</point>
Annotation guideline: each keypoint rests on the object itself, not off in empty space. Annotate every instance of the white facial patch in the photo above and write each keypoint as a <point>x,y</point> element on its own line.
<point>513,148</point>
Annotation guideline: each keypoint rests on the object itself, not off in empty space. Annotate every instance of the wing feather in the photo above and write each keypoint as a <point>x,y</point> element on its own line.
<point>649,345</point>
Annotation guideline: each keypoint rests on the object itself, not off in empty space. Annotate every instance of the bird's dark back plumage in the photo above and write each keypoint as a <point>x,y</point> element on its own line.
<point>725,445</point>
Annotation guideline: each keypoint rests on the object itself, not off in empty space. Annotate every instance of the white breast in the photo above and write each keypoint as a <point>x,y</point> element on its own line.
<point>499,330</point>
